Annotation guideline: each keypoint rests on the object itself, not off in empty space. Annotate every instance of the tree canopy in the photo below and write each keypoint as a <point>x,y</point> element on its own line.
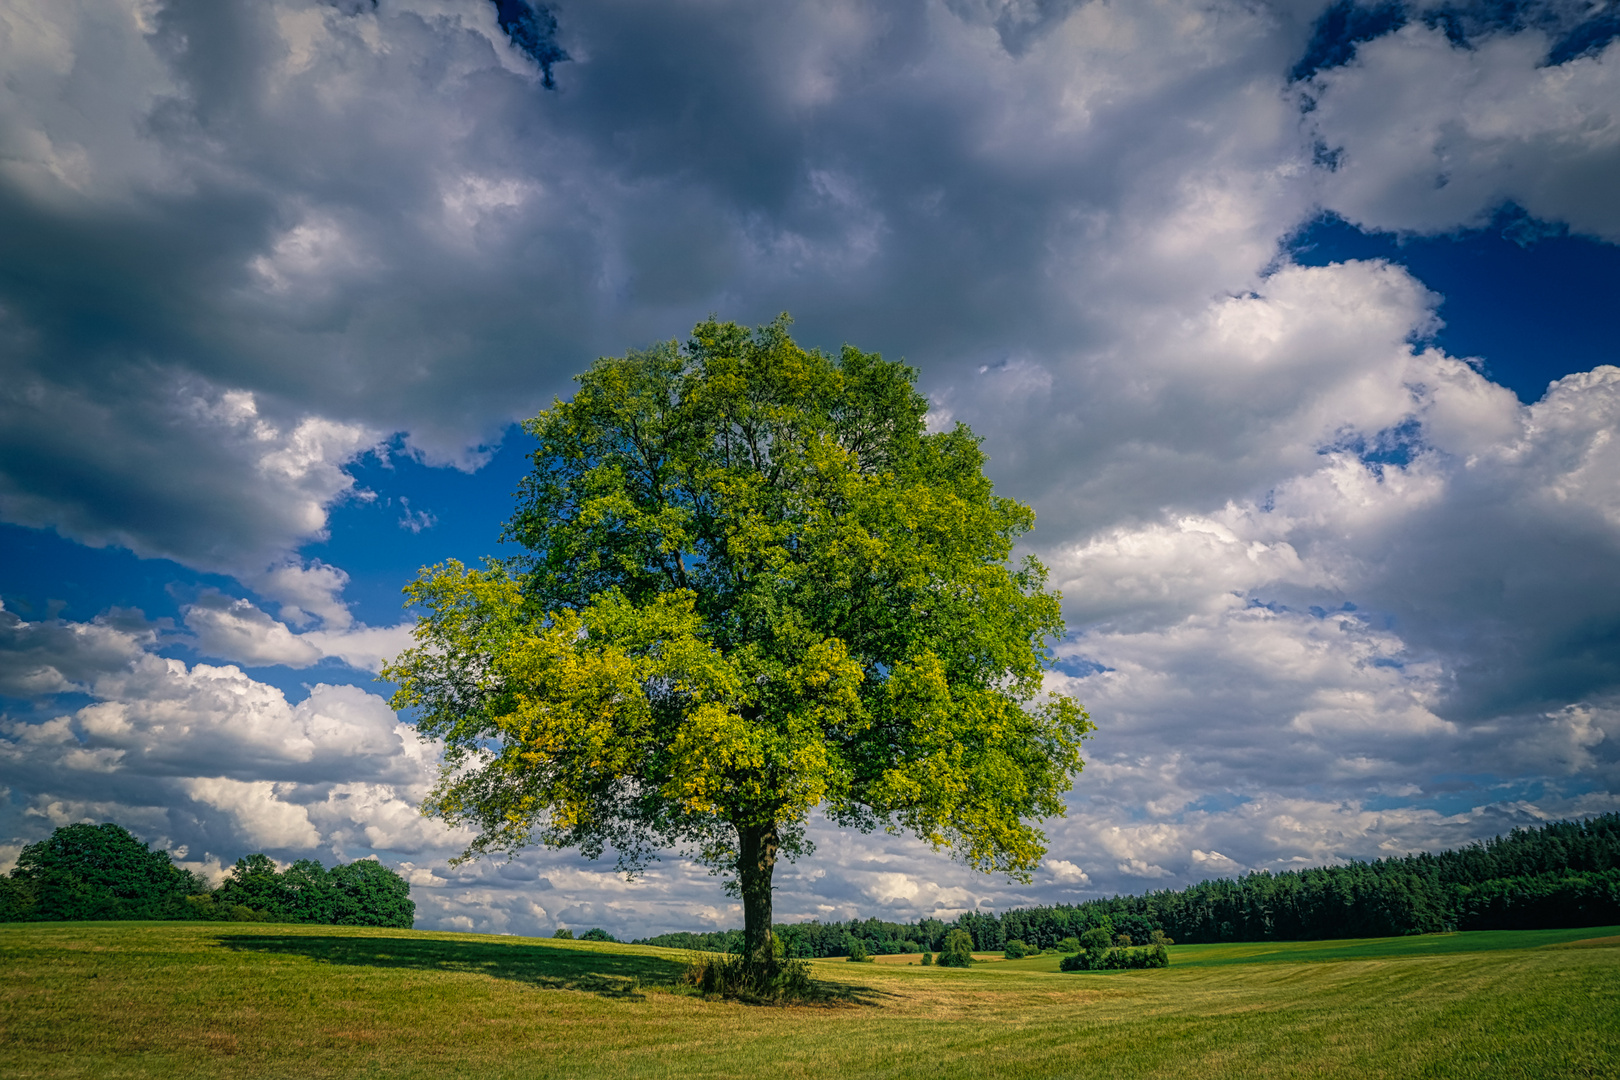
<point>360,893</point>
<point>103,871</point>
<point>750,584</point>
<point>99,872</point>
<point>957,950</point>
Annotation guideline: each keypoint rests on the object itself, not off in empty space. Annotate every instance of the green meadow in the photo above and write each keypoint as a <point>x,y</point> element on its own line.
<point>233,1000</point>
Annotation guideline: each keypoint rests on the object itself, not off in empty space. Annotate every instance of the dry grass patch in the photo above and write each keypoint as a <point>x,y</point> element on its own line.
<point>1610,942</point>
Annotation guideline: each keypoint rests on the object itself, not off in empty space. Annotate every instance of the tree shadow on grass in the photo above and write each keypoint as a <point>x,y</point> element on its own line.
<point>545,967</point>
<point>851,994</point>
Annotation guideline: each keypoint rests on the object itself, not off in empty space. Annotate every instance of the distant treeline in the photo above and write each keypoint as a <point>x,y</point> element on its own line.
<point>97,872</point>
<point>1563,874</point>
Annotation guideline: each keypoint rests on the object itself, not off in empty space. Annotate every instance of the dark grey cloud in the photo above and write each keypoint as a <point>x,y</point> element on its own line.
<point>46,657</point>
<point>439,256</point>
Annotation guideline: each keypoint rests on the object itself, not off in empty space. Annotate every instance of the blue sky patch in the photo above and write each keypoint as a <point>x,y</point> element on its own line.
<point>1528,300</point>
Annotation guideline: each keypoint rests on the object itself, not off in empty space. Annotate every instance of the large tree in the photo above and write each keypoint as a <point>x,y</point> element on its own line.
<point>751,584</point>
<point>99,872</point>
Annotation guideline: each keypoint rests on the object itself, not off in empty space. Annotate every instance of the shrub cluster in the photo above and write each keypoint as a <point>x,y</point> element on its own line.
<point>1152,956</point>
<point>360,893</point>
<point>1100,950</point>
<point>96,872</point>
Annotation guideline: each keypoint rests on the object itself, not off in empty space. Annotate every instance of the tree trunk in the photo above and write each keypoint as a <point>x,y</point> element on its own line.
<point>756,860</point>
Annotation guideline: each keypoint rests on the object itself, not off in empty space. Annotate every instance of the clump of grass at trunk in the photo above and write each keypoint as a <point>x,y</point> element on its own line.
<point>772,981</point>
<point>765,976</point>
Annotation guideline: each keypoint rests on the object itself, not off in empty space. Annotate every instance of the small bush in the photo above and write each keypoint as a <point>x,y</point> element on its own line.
<point>564,934</point>
<point>928,959</point>
<point>859,955</point>
<point>958,950</point>
<point>204,906</point>
<point>1016,950</point>
<point>243,913</point>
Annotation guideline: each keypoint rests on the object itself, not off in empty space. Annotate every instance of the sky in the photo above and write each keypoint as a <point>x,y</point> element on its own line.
<point>1293,321</point>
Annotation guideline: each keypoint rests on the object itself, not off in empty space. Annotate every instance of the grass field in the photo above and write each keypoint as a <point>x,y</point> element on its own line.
<point>253,1000</point>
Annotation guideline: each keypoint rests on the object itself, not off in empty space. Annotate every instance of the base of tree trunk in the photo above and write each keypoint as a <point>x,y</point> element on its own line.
<point>775,982</point>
